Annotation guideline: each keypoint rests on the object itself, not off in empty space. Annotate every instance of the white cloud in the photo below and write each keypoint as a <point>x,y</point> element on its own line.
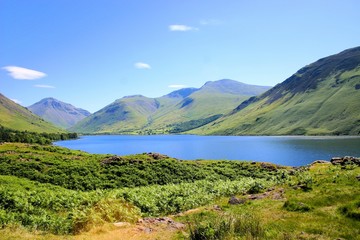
<point>141,65</point>
<point>181,28</point>
<point>15,101</point>
<point>23,73</point>
<point>43,86</point>
<point>177,86</point>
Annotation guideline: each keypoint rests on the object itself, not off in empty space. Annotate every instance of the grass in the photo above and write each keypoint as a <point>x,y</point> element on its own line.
<point>313,112</point>
<point>319,213</point>
<point>320,202</point>
<point>142,115</point>
<point>17,117</point>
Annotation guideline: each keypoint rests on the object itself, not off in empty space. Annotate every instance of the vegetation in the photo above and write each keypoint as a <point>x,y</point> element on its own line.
<point>81,171</point>
<point>329,210</point>
<point>53,190</point>
<point>19,118</point>
<point>192,124</point>
<point>38,183</point>
<point>307,103</point>
<point>9,135</point>
<point>179,111</point>
<point>226,226</point>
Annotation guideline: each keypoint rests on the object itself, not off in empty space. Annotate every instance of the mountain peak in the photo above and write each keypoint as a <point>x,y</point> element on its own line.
<point>59,113</point>
<point>17,117</point>
<point>182,93</point>
<point>233,87</point>
<point>321,98</point>
<point>135,96</point>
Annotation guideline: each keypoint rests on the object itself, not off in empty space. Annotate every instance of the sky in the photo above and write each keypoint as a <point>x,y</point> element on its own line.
<point>91,52</point>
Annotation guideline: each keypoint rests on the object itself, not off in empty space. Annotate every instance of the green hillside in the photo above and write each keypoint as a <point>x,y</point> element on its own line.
<point>124,115</point>
<point>176,112</point>
<point>61,114</point>
<point>320,99</point>
<point>17,117</point>
<point>49,192</point>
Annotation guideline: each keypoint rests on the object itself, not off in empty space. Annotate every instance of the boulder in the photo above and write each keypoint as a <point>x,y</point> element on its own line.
<point>122,224</point>
<point>157,156</point>
<point>111,160</point>
<point>345,160</point>
<point>320,162</point>
<point>234,201</point>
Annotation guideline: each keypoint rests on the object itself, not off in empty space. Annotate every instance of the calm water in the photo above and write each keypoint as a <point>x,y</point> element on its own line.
<point>290,151</point>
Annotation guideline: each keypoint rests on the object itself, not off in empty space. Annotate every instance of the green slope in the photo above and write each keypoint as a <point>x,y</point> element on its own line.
<point>176,112</point>
<point>125,115</point>
<point>17,117</point>
<point>320,99</point>
<point>61,114</point>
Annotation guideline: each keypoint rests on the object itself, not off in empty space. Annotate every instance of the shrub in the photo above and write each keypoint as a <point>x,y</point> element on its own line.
<point>295,206</point>
<point>351,210</point>
<point>227,227</point>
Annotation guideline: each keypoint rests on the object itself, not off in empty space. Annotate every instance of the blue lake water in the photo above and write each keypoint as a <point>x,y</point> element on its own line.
<point>283,150</point>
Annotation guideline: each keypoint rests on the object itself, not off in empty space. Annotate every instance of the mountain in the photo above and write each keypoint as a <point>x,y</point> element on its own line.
<point>59,113</point>
<point>16,117</point>
<point>322,98</point>
<point>178,111</point>
<point>123,115</point>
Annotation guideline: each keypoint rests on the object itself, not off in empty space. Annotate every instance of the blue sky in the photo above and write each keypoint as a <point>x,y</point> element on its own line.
<point>92,52</point>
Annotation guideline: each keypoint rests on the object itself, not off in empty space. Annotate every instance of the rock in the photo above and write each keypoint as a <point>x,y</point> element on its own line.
<point>157,156</point>
<point>277,196</point>
<point>145,229</point>
<point>258,196</point>
<point>234,201</point>
<point>345,160</point>
<point>269,166</point>
<point>320,162</point>
<point>111,160</point>
<point>217,208</point>
<point>149,221</point>
<point>121,224</point>
<point>178,225</point>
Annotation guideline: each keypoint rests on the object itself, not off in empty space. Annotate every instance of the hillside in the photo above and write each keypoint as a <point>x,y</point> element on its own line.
<point>175,112</point>
<point>319,99</point>
<point>61,114</point>
<point>48,192</point>
<point>16,117</point>
<point>125,114</point>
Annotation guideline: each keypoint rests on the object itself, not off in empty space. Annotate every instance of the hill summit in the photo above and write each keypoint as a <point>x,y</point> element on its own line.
<point>57,112</point>
<point>321,98</point>
<point>19,118</point>
<point>176,112</point>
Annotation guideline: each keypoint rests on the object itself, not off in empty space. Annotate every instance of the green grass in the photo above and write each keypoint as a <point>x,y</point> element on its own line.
<point>19,118</point>
<point>142,115</point>
<point>53,190</point>
<point>319,213</point>
<point>81,171</point>
<point>333,108</point>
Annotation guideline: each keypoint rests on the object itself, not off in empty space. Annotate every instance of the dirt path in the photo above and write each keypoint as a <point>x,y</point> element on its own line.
<point>148,228</point>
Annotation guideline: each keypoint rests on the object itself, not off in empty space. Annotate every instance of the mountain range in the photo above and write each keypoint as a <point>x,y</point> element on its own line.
<point>322,98</point>
<point>61,114</point>
<point>175,112</point>
<point>14,116</point>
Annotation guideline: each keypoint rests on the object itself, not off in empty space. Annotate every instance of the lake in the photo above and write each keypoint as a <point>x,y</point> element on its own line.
<point>283,150</point>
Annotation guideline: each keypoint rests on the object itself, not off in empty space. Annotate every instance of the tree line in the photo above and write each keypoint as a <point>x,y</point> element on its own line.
<point>10,135</point>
